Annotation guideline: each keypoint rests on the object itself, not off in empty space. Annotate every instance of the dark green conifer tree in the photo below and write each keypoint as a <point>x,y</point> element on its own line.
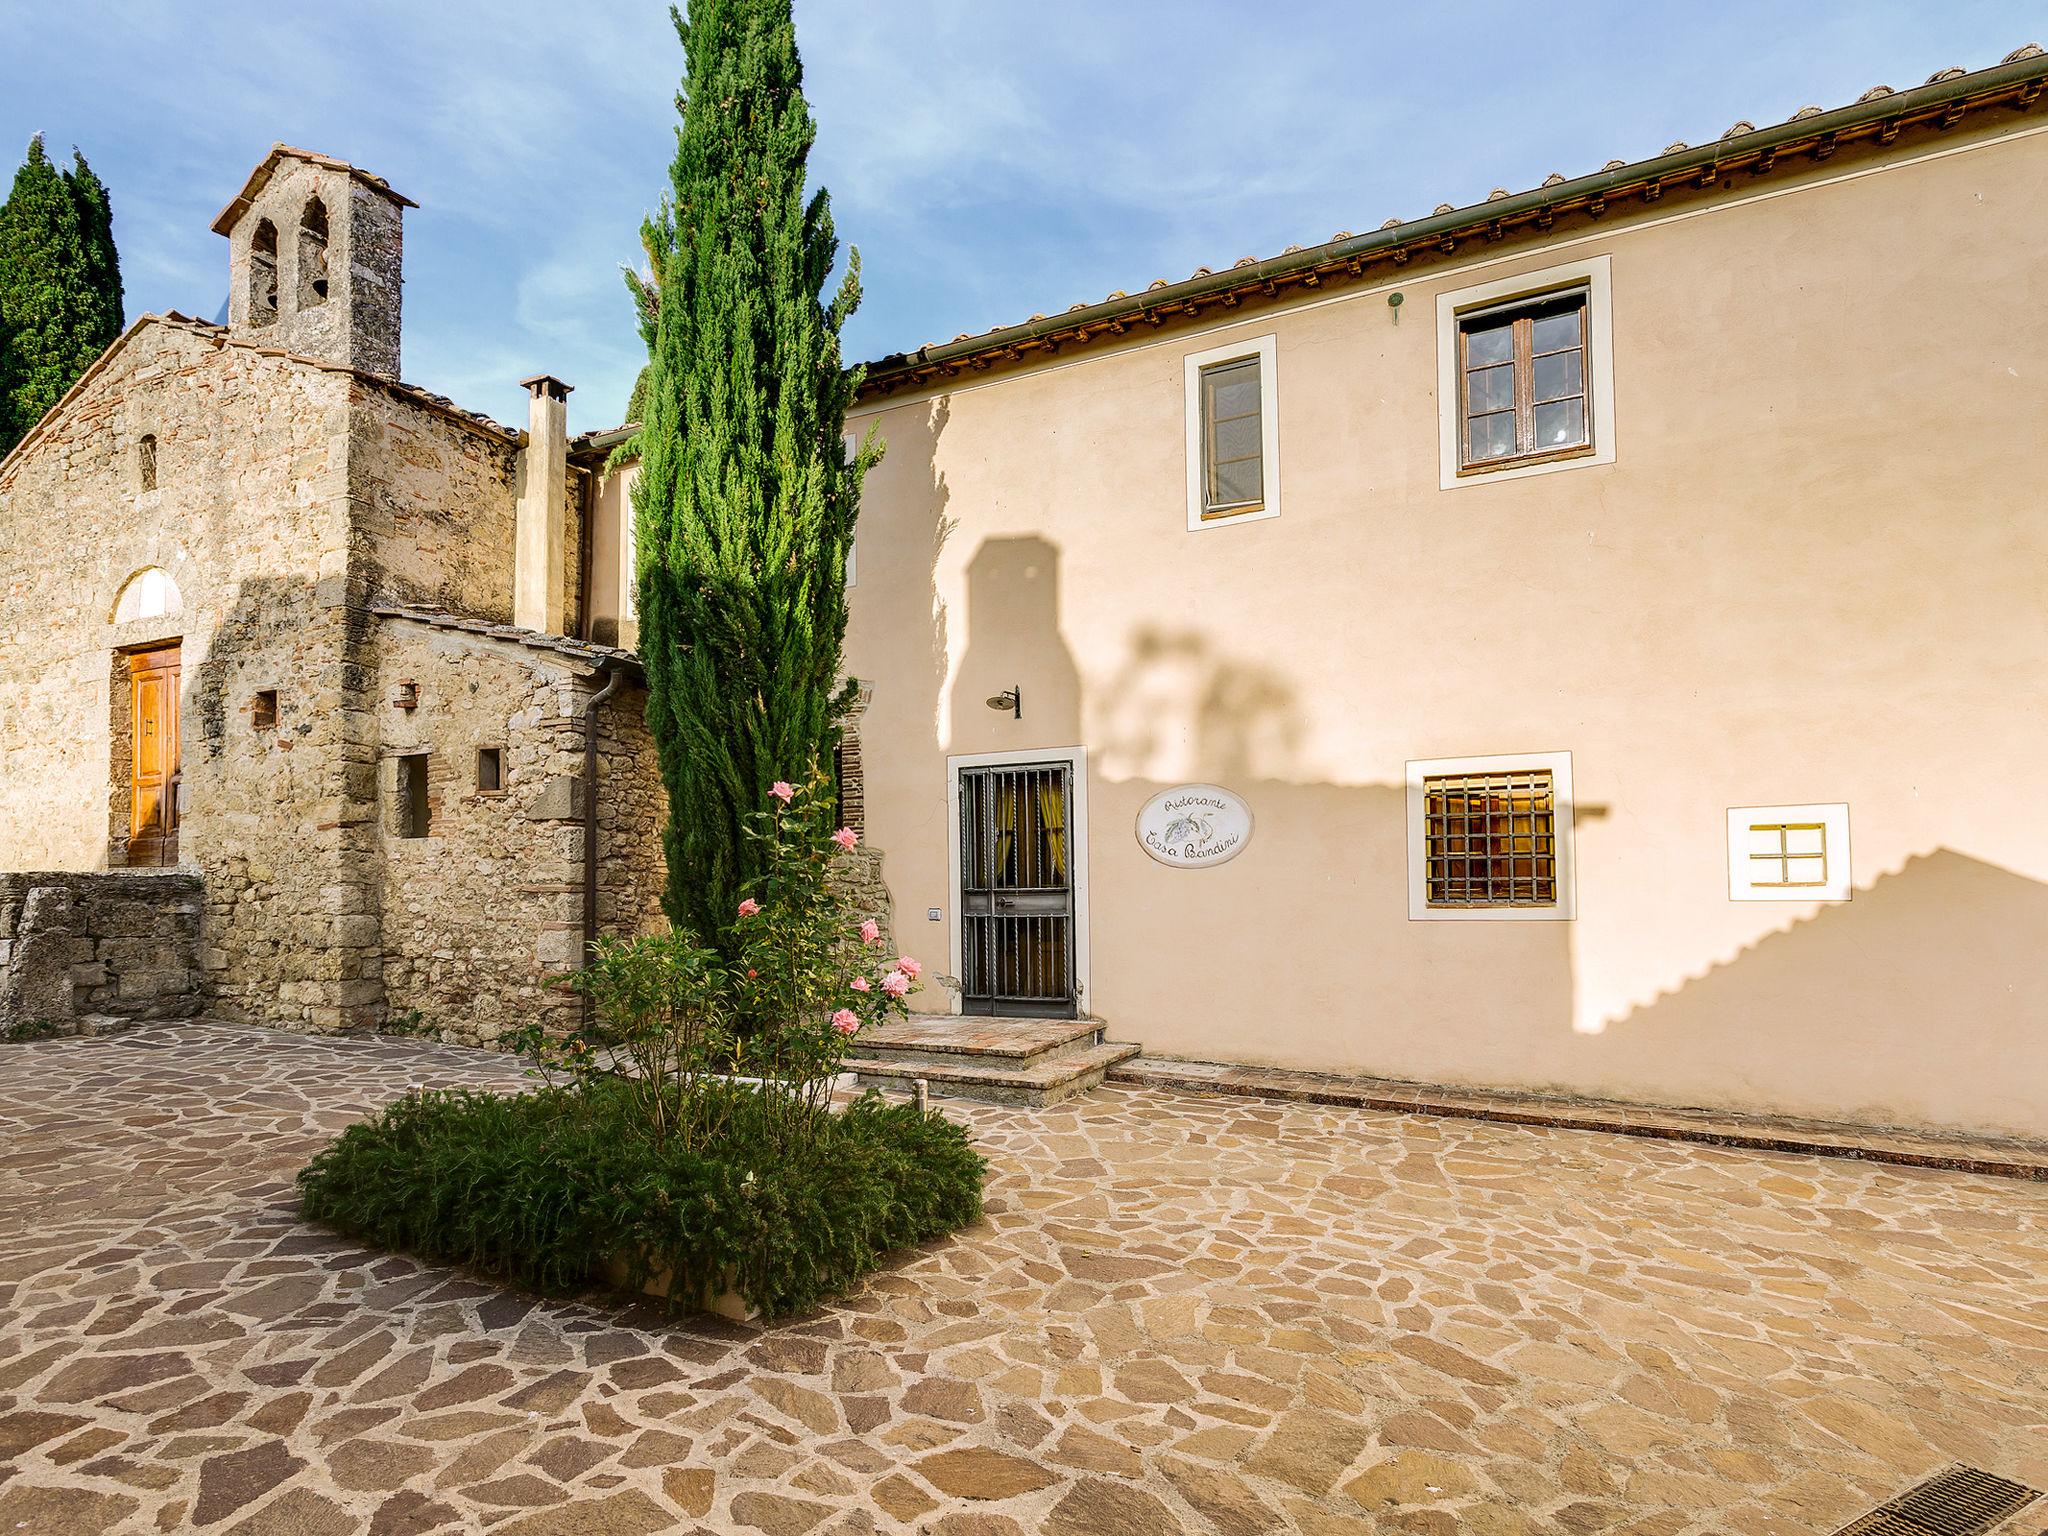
<point>60,286</point>
<point>745,502</point>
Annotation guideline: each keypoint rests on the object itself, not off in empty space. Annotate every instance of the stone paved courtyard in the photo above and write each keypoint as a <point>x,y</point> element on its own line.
<point>1181,1314</point>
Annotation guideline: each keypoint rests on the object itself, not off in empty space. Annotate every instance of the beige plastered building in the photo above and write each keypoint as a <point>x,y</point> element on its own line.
<point>1652,710</point>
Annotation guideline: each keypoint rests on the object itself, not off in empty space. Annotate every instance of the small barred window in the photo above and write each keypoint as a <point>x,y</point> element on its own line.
<point>1490,839</point>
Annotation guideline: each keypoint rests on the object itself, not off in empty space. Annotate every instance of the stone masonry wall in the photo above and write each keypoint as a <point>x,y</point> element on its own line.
<point>82,952</point>
<point>358,322</point>
<point>481,912</point>
<point>434,507</point>
<point>249,518</point>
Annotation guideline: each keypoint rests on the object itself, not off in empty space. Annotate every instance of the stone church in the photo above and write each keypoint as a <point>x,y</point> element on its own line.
<point>270,614</point>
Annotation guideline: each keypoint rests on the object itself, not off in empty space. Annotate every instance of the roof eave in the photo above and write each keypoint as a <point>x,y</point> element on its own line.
<point>1988,84</point>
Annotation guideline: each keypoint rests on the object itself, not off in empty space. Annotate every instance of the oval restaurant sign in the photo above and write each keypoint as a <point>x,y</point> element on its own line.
<point>1192,826</point>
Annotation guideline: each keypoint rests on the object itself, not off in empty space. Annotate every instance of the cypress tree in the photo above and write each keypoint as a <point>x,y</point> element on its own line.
<point>60,286</point>
<point>745,502</point>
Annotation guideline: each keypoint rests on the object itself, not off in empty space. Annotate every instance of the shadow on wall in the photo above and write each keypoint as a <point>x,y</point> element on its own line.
<point>1910,1003</point>
<point>905,650</point>
<point>1292,952</point>
<point>283,812</point>
<point>1900,987</point>
<point>1177,701</point>
<point>1014,641</point>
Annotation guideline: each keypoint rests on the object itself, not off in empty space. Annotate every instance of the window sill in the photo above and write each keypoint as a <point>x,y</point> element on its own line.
<point>1225,514</point>
<point>1559,458</point>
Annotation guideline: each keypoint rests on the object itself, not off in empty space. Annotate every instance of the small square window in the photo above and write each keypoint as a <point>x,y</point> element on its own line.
<point>1491,837</point>
<point>490,770</point>
<point>415,809</point>
<point>1788,853</point>
<point>263,710</point>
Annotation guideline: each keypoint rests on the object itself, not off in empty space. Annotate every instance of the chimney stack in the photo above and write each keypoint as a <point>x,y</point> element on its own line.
<point>539,581</point>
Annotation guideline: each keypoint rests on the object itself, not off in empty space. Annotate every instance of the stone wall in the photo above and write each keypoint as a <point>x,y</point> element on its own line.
<point>83,952</point>
<point>483,910</point>
<point>434,502</point>
<point>249,517</point>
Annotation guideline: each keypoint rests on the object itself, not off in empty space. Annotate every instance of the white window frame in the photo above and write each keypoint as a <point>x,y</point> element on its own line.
<point>629,547</point>
<point>1559,766</point>
<point>1076,759</point>
<point>1833,817</point>
<point>1266,350</point>
<point>1595,276</point>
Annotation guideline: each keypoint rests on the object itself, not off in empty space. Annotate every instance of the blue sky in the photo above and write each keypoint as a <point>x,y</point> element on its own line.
<point>990,159</point>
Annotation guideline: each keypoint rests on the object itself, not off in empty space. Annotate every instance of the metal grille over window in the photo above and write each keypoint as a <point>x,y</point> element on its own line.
<point>1524,382</point>
<point>1233,463</point>
<point>1491,840</point>
<point>1788,854</point>
<point>1016,892</point>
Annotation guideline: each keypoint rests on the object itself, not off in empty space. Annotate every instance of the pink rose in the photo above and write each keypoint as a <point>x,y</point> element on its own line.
<point>782,790</point>
<point>749,907</point>
<point>859,984</point>
<point>895,983</point>
<point>871,932</point>
<point>846,1021</point>
<point>909,967</point>
<point>845,837</point>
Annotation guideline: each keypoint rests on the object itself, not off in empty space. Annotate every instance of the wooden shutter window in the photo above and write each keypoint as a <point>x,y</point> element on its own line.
<point>1523,390</point>
<point>1233,441</point>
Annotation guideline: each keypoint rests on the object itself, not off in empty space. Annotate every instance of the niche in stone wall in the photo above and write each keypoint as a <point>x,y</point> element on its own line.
<point>263,274</point>
<point>313,254</point>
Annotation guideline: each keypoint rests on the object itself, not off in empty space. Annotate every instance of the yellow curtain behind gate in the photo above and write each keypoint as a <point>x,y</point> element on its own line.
<point>1006,829</point>
<point>1052,815</point>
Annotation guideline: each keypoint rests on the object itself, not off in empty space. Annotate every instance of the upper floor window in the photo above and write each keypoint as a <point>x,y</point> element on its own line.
<point>1525,374</point>
<point>1233,434</point>
<point>145,461</point>
<point>1523,371</point>
<point>313,254</point>
<point>263,274</point>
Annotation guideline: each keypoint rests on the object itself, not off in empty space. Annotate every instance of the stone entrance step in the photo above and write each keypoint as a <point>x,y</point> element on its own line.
<point>993,1060</point>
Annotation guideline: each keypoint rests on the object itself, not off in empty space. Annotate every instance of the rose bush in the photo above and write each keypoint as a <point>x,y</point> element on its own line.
<point>686,1128</point>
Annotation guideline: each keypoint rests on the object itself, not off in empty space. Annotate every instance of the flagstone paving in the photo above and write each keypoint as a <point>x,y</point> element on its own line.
<point>1181,1314</point>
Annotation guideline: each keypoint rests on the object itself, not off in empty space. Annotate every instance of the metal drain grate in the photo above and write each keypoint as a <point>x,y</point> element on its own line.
<point>1962,1501</point>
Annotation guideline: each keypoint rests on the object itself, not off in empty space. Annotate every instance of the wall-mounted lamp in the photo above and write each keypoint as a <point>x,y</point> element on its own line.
<point>1011,699</point>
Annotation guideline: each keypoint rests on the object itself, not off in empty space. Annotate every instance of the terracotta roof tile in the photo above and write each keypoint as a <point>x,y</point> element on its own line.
<point>584,653</point>
<point>888,370</point>
<point>260,178</point>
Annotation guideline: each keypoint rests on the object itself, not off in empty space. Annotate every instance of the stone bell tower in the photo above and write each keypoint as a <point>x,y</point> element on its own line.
<point>316,260</point>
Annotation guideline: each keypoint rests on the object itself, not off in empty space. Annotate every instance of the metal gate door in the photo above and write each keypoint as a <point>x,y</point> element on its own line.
<point>1016,891</point>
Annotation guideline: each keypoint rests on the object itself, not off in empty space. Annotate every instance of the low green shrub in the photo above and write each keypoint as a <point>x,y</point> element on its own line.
<point>642,1154</point>
<point>549,1188</point>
